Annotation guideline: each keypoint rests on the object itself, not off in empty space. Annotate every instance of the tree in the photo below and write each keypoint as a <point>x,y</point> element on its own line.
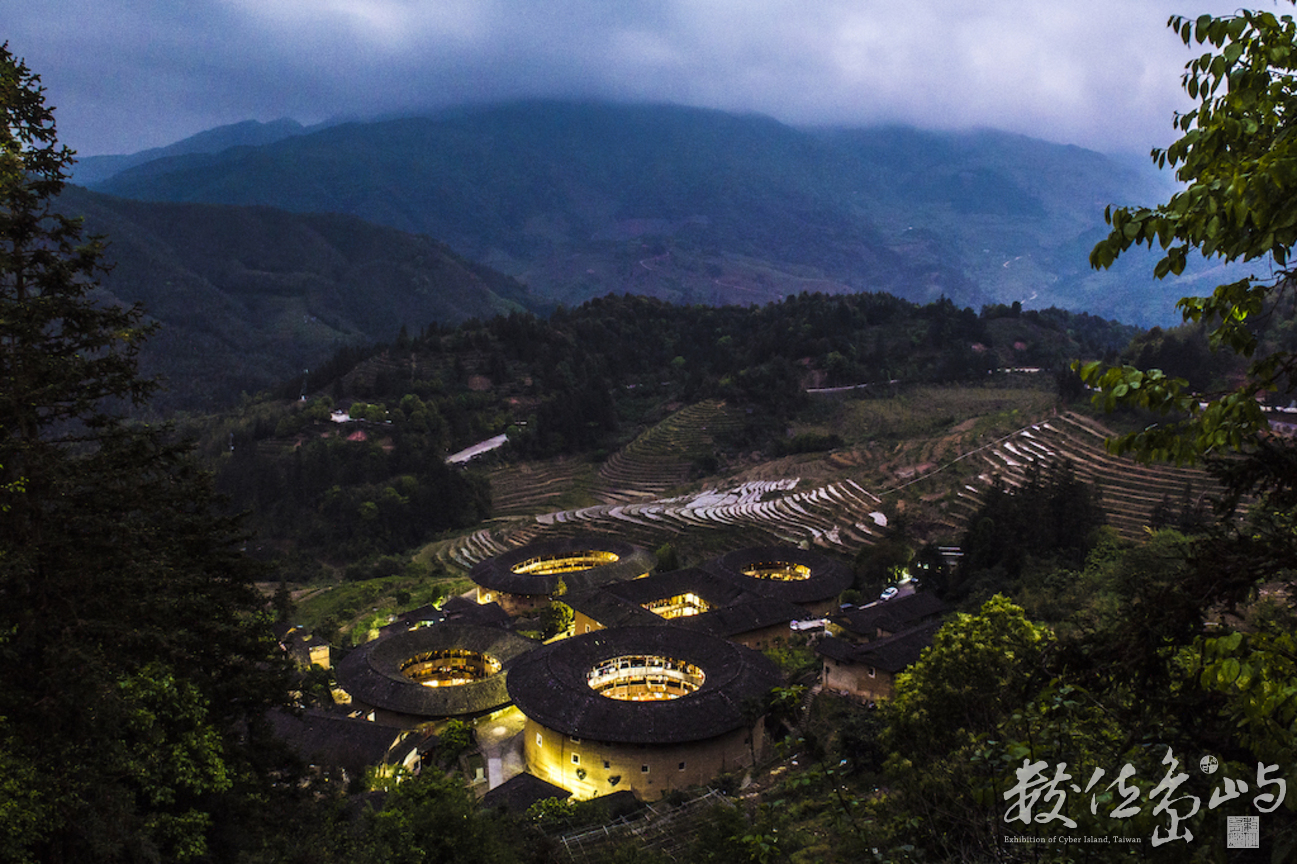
<point>135,665</point>
<point>433,818</point>
<point>1238,160</point>
<point>978,674</point>
<point>557,618</point>
<point>1051,519</point>
<point>979,668</point>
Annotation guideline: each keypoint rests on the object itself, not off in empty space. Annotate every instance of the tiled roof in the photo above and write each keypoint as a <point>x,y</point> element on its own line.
<point>460,610</point>
<point>893,654</point>
<point>325,738</point>
<point>744,617</point>
<point>732,610</point>
<point>549,685</point>
<point>372,672</point>
<point>829,577</point>
<point>714,590</point>
<point>895,615</point>
<point>497,573</point>
<point>609,609</point>
<point>521,791</point>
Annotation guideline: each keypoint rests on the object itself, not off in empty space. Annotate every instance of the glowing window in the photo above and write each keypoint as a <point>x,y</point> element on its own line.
<point>568,562</point>
<point>449,667</point>
<point>779,571</point>
<point>644,678</point>
<point>679,606</point>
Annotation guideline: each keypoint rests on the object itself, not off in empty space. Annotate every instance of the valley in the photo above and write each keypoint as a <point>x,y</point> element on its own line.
<point>837,501</point>
<point>758,491</point>
<point>575,199</point>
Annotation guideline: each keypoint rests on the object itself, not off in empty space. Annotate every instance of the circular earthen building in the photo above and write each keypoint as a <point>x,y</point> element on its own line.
<point>446,670</point>
<point>528,577</point>
<point>648,709</point>
<point>808,579</point>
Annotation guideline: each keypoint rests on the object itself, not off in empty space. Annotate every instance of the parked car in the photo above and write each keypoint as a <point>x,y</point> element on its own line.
<point>888,594</point>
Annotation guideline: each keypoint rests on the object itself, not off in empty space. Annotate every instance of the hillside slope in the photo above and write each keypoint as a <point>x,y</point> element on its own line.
<point>248,297</point>
<point>96,169</point>
<point>689,205</point>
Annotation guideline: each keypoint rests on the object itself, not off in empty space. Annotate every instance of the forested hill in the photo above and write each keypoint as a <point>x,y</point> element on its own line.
<point>701,206</point>
<point>250,133</point>
<point>249,296</point>
<point>586,381</point>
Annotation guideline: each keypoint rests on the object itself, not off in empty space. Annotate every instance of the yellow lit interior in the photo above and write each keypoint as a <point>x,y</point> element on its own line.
<point>679,606</point>
<point>547,565</point>
<point>644,678</point>
<point>449,667</point>
<point>779,571</point>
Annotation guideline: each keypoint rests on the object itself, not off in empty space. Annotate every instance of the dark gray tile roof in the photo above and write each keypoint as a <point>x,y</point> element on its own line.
<point>733,610</point>
<point>549,685</point>
<point>608,609</point>
<point>744,617</point>
<point>372,672</point>
<point>715,591</point>
<point>334,740</point>
<point>837,649</point>
<point>893,654</point>
<point>460,610</point>
<point>895,615</point>
<point>521,791</point>
<point>423,616</point>
<point>497,573</point>
<point>829,577</point>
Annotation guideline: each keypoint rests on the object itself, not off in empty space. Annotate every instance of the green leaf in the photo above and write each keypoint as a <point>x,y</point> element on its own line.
<point>1229,671</point>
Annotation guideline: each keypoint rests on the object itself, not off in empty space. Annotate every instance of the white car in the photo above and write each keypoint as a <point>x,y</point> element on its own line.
<point>888,594</point>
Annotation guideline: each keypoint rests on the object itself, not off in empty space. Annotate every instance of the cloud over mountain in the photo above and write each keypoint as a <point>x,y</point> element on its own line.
<point>130,75</point>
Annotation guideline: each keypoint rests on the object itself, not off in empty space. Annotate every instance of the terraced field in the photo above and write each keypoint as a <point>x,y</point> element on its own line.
<point>529,488</point>
<point>1129,490</point>
<point>832,502</point>
<point>662,458</point>
<point>834,516</point>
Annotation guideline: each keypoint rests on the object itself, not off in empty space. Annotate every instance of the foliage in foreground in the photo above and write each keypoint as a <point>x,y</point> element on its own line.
<point>1234,159</point>
<point>134,664</point>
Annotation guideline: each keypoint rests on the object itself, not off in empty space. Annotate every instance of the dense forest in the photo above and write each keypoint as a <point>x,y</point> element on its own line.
<point>582,382</point>
<point>248,296</point>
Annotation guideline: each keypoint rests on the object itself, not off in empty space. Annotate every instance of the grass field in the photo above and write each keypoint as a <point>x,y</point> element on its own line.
<point>353,610</point>
<point>924,412</point>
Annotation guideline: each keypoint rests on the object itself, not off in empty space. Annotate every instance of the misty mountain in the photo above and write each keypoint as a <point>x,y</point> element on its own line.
<point>248,297</point>
<point>693,205</point>
<point>250,133</point>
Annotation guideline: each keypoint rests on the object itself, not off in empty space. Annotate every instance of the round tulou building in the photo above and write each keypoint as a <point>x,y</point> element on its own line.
<point>448,670</point>
<point>528,577</point>
<point>807,579</point>
<point>649,709</point>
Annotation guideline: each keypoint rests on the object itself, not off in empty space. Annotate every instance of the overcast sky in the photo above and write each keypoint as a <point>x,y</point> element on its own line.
<point>130,74</point>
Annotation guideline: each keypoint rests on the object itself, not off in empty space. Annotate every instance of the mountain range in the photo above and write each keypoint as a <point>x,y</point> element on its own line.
<point>248,297</point>
<point>264,247</point>
<point>577,199</point>
<point>250,133</point>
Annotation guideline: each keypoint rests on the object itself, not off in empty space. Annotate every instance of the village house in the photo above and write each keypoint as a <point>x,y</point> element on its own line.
<point>868,647</point>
